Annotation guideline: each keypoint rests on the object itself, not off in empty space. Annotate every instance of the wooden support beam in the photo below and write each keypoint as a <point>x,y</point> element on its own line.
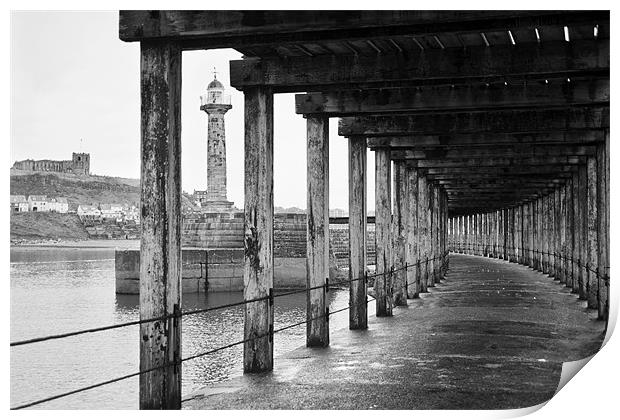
<point>258,227</point>
<point>493,152</point>
<point>229,29</point>
<point>491,162</point>
<point>383,228</point>
<point>317,261</point>
<point>554,170</point>
<point>358,314</point>
<point>475,141</point>
<point>401,208</point>
<point>460,98</point>
<point>547,60</point>
<point>413,236</point>
<point>160,245</point>
<point>493,122</point>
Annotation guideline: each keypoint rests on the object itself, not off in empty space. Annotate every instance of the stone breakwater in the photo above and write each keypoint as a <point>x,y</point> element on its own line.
<point>212,253</point>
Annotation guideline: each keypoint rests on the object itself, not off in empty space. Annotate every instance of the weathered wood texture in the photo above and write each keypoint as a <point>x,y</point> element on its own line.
<point>258,226</point>
<point>317,260</point>
<point>423,231</point>
<point>562,217</point>
<point>577,237</point>
<point>383,232</point>
<point>401,208</point>
<point>459,98</point>
<point>592,235</point>
<point>458,65</point>
<point>498,123</point>
<point>603,228</point>
<point>358,314</point>
<point>583,227</point>
<point>569,234</point>
<point>160,245</point>
<point>229,29</point>
<point>413,236</point>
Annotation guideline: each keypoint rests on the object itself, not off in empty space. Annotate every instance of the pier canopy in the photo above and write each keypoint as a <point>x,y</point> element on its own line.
<point>496,106</point>
<point>490,131</point>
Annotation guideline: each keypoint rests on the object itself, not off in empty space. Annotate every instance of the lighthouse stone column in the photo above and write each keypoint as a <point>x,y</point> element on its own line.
<point>216,106</point>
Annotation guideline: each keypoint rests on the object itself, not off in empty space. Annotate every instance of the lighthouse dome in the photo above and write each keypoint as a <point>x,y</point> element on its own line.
<point>215,84</point>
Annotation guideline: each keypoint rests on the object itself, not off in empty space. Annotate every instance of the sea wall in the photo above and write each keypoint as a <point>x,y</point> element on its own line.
<point>212,254</point>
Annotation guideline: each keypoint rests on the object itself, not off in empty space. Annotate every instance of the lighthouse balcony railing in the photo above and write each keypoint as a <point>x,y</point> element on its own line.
<point>213,99</point>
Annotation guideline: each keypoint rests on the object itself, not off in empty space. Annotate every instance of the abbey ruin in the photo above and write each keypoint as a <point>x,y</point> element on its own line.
<point>79,165</point>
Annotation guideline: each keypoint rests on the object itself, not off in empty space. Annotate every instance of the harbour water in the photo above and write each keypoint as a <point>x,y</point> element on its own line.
<point>57,290</point>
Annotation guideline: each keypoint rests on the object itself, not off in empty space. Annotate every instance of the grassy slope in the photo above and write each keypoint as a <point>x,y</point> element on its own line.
<point>40,226</point>
<point>77,190</point>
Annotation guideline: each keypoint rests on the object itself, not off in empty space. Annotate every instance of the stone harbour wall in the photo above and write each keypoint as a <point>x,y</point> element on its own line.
<point>212,254</point>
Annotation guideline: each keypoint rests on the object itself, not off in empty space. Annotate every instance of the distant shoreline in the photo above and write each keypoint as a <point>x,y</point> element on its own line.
<point>89,243</point>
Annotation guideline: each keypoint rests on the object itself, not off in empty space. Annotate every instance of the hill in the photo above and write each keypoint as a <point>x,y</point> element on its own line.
<point>77,189</point>
<point>93,189</point>
<point>46,226</point>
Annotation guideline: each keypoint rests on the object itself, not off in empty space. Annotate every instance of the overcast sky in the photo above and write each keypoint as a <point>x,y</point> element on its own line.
<point>72,79</point>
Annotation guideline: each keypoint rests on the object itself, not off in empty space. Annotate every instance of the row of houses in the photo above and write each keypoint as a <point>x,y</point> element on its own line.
<point>108,212</point>
<point>38,203</point>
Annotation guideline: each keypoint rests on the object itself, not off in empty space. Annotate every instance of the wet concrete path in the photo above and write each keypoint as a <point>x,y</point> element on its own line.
<point>492,334</point>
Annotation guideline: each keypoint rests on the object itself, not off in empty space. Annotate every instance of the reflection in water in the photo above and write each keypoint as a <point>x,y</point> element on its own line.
<point>55,290</point>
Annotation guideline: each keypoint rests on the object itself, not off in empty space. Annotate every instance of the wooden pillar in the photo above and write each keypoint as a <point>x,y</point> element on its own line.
<point>529,239</point>
<point>533,243</point>
<point>562,235</point>
<point>401,208</point>
<point>556,233</point>
<point>603,227</point>
<point>488,228</point>
<point>431,234</point>
<point>460,226</point>
<point>317,248</point>
<point>435,234</point>
<point>358,314</point>
<point>477,234</point>
<point>569,232</point>
<point>517,234</point>
<point>540,216</point>
<point>577,238</point>
<point>413,238</point>
<point>592,238</point>
<point>383,229</point>
<point>160,244</point>
<point>583,227</point>
<point>258,229</point>
<point>511,234</point>
<point>545,235</point>
<point>423,228</point>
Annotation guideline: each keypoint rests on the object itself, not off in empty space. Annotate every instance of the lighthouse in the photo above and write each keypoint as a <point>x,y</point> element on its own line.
<point>216,104</point>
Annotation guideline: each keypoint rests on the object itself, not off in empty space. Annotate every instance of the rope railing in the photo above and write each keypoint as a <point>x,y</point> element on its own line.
<point>270,298</point>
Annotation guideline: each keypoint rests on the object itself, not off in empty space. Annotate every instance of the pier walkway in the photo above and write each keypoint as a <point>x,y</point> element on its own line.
<point>493,334</point>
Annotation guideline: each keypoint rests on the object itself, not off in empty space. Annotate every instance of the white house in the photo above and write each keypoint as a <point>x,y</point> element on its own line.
<point>59,205</point>
<point>88,212</point>
<point>38,203</point>
<point>19,203</point>
<point>131,213</point>
<point>111,211</point>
